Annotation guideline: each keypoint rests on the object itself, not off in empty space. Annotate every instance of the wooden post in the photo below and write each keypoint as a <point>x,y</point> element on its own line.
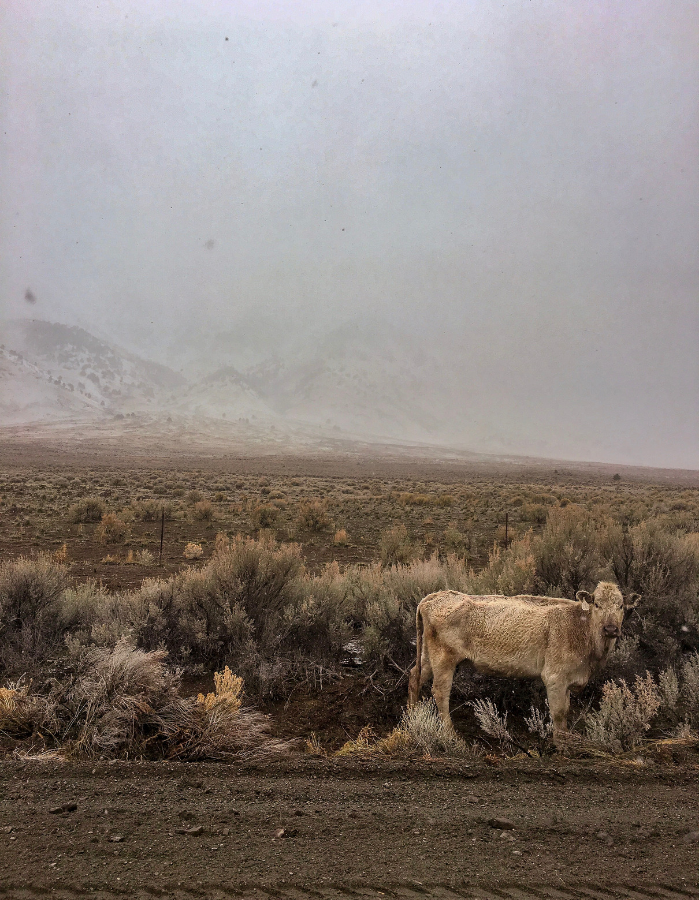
<point>162,531</point>
<point>506,531</point>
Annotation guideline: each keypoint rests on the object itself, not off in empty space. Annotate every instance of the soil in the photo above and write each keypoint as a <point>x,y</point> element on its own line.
<point>351,827</point>
<point>313,827</point>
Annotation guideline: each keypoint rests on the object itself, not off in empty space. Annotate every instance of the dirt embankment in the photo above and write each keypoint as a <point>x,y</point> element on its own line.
<point>342,828</point>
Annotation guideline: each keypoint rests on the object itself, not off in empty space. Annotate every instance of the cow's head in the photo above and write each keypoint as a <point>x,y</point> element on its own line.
<point>607,607</point>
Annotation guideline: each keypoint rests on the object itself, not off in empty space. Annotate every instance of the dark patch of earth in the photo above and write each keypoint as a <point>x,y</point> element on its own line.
<point>352,828</point>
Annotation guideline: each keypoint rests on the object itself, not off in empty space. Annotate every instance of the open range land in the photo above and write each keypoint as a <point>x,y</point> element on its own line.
<point>326,555</point>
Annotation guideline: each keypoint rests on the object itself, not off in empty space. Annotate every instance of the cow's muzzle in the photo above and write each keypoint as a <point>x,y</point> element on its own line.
<point>612,631</point>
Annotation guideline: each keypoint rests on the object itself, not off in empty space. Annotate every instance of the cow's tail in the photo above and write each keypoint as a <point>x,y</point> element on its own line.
<point>415,679</point>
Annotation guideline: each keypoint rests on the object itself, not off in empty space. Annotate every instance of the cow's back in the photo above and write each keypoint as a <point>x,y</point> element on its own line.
<point>500,635</point>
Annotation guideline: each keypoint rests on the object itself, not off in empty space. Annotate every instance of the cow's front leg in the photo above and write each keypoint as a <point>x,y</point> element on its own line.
<point>443,673</point>
<point>558,697</point>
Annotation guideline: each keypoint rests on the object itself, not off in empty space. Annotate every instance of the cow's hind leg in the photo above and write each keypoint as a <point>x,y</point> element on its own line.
<point>416,681</point>
<point>443,673</point>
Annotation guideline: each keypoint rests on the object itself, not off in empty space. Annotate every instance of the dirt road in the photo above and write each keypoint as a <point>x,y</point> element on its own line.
<point>351,829</point>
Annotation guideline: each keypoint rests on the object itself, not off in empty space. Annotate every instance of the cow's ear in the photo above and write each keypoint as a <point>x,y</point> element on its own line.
<point>585,599</point>
<point>632,602</point>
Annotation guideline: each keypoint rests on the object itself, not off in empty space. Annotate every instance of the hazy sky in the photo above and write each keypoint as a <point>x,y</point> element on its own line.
<point>516,182</point>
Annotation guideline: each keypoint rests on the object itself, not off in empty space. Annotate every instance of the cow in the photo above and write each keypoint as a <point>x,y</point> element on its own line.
<point>561,641</point>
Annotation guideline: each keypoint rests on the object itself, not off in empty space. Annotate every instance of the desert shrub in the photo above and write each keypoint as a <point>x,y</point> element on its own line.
<point>626,659</point>
<point>262,577</point>
<point>509,572</point>
<point>395,546</point>
<point>535,513</point>
<point>625,714</point>
<point>318,624</point>
<point>82,605</point>
<point>669,690</point>
<point>193,496</point>
<point>659,564</point>
<point>204,510</point>
<point>84,511</point>
<point>540,724</point>
<point>263,515</point>
<point>313,516</point>
<point>383,616</point>
<point>193,551</point>
<point>112,529</point>
<point>30,595</point>
<point>566,553</point>
<point>151,510</point>
<point>242,606</point>
<point>340,538</point>
<point>491,721</point>
<point>382,603</point>
<point>454,540</point>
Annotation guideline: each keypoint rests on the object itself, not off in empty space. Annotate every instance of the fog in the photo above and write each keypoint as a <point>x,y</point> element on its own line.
<point>505,193</point>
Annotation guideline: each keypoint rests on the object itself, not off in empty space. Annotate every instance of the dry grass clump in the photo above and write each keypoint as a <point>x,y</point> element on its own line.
<point>193,551</point>
<point>421,730</point>
<point>422,727</point>
<point>112,529</point>
<point>60,556</point>
<point>365,743</point>
<point>125,702</point>
<point>454,540</point>
<point>142,557</point>
<point>410,499</point>
<point>20,713</point>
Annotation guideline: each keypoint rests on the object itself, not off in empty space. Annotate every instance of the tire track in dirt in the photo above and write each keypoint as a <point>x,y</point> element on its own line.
<point>410,891</point>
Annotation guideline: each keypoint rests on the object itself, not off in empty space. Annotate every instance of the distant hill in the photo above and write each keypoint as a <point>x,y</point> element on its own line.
<point>49,370</point>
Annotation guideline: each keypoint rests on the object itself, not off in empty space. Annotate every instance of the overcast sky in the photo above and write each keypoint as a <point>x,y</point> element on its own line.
<point>516,182</point>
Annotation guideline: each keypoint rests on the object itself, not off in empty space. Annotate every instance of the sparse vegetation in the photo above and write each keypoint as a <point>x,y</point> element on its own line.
<point>125,701</point>
<point>281,614</point>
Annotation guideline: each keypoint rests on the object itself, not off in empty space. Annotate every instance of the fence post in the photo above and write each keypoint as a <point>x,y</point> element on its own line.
<point>506,531</point>
<point>162,531</point>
